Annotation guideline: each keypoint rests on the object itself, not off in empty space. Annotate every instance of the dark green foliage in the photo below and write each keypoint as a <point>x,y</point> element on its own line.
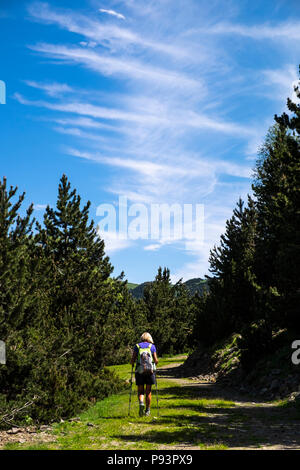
<point>124,325</point>
<point>168,313</point>
<point>62,316</point>
<point>277,191</point>
<point>15,240</point>
<point>254,343</point>
<point>255,284</point>
<point>231,301</point>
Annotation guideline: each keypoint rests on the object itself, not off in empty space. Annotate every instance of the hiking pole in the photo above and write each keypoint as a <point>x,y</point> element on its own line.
<point>130,391</point>
<point>156,393</point>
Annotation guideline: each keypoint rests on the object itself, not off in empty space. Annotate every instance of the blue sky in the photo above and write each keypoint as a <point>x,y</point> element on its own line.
<point>159,101</point>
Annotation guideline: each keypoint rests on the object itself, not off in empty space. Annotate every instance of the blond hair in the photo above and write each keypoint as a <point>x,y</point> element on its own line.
<point>147,337</point>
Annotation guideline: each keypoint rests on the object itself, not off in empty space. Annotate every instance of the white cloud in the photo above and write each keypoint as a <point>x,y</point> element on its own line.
<point>128,68</point>
<point>52,89</point>
<point>83,122</point>
<point>148,169</point>
<point>283,80</point>
<point>87,109</point>
<point>91,44</point>
<point>113,242</point>
<point>106,34</point>
<point>152,247</point>
<point>112,13</point>
<point>196,268</point>
<point>200,250</point>
<point>288,30</point>
<point>183,117</point>
<point>155,171</point>
<point>39,207</point>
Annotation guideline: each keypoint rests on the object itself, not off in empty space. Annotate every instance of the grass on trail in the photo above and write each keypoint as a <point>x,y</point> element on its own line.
<point>106,425</point>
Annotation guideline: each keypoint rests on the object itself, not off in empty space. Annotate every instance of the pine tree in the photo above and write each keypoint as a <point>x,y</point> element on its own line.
<point>231,301</point>
<point>167,312</point>
<point>232,265</point>
<point>79,271</point>
<point>276,187</point>
<point>15,276</point>
<point>183,318</point>
<point>158,307</point>
<point>125,323</point>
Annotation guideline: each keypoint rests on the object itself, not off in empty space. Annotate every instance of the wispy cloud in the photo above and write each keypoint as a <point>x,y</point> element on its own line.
<point>152,247</point>
<point>39,207</point>
<point>183,116</point>
<point>154,170</point>
<point>283,80</point>
<point>288,30</point>
<point>107,34</point>
<point>52,89</point>
<point>112,13</point>
<point>82,122</point>
<point>119,67</point>
<point>148,169</point>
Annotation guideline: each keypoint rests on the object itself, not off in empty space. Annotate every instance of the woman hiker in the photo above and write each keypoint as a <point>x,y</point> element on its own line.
<point>144,377</point>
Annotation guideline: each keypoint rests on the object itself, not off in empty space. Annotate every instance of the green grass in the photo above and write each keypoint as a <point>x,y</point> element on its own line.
<point>189,417</point>
<point>181,420</point>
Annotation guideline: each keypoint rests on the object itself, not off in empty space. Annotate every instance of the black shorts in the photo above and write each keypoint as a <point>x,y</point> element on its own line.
<point>143,379</point>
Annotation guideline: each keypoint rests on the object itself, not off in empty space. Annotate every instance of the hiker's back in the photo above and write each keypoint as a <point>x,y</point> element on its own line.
<point>145,364</point>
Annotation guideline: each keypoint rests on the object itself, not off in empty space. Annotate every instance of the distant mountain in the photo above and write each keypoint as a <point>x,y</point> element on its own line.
<point>196,285</point>
<point>138,291</point>
<point>193,285</point>
<point>131,285</point>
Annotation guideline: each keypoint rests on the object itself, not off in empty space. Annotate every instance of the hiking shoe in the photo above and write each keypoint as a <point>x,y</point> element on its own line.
<point>142,407</point>
<point>148,412</point>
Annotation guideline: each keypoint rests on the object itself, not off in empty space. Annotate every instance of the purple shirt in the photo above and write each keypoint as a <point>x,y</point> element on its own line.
<point>144,345</point>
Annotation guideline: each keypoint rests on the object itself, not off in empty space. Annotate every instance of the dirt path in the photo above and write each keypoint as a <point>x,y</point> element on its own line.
<point>252,425</point>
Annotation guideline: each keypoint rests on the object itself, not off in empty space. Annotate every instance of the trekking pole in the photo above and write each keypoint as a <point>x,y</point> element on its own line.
<point>130,391</point>
<point>156,393</point>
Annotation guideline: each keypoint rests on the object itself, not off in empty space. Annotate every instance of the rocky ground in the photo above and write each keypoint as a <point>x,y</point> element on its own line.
<point>267,382</point>
<point>29,434</point>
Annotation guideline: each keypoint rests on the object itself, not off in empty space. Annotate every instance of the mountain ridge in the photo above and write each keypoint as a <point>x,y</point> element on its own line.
<point>196,284</point>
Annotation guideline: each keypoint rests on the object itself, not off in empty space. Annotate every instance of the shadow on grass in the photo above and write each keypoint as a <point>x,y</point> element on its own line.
<point>178,436</point>
<point>203,389</point>
<point>231,427</point>
<point>210,418</point>
<point>218,421</point>
<point>207,390</point>
<point>203,392</point>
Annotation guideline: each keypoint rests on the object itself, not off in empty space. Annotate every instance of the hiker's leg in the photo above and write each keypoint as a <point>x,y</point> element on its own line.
<point>141,400</point>
<point>141,393</point>
<point>148,396</point>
